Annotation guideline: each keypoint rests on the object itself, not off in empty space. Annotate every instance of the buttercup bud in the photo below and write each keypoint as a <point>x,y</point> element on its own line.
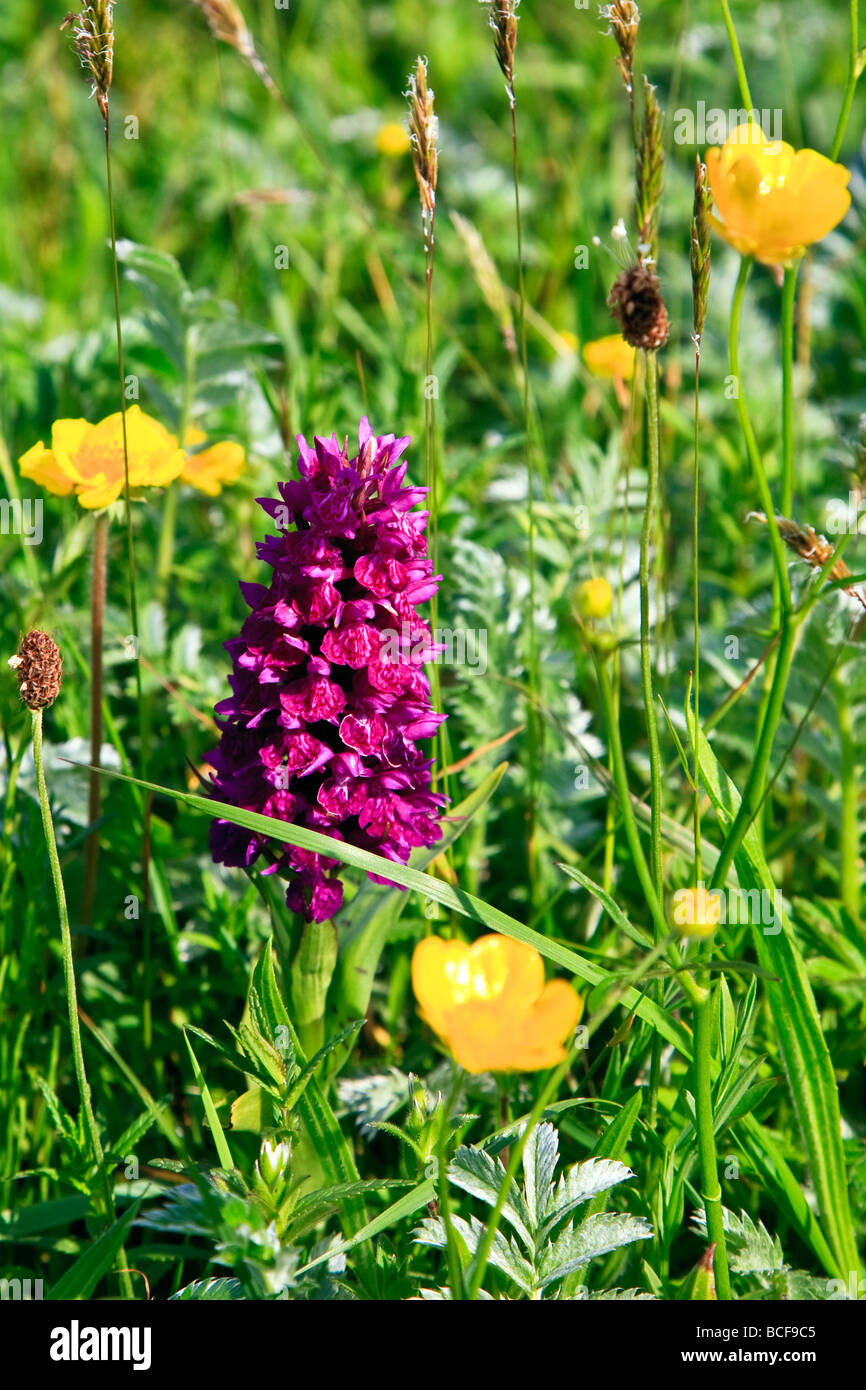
<point>593,598</point>
<point>696,912</point>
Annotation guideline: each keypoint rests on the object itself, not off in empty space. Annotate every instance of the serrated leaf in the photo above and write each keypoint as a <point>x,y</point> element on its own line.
<point>476,1172</point>
<point>581,1183</point>
<point>540,1157</point>
<point>210,1290</point>
<point>597,1235</point>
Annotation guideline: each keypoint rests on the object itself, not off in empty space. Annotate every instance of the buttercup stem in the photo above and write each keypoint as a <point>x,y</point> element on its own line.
<point>649,521</point>
<point>789,292</point>
<point>738,57</point>
<point>853,74</point>
<point>97,621</point>
<point>704,1122</point>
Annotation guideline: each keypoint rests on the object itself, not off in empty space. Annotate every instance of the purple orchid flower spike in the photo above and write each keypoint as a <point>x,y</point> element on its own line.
<point>329,696</point>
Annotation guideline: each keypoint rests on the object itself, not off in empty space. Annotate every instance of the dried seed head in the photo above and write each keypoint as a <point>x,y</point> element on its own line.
<point>623,18</point>
<point>503,22</point>
<point>637,305</point>
<point>700,247</point>
<point>650,166</point>
<point>814,549</point>
<point>39,667</point>
<point>93,33</point>
<point>424,130</point>
<point>227,24</point>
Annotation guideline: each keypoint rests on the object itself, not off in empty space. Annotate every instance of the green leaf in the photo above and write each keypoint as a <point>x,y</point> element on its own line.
<point>315,1062</point>
<point>429,887</point>
<point>223,1151</point>
<point>85,1274</point>
<point>373,912</point>
<point>43,1216</point>
<point>641,938</point>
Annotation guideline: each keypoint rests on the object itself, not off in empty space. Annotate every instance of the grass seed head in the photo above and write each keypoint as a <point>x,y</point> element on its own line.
<point>623,18</point>
<point>650,168</point>
<point>700,247</point>
<point>424,130</point>
<point>39,667</point>
<point>503,22</point>
<point>93,34</point>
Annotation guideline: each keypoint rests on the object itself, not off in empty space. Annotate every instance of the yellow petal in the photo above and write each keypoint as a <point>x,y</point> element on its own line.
<point>41,466</point>
<point>210,469</point>
<point>440,979</point>
<point>508,971</point>
<point>66,438</point>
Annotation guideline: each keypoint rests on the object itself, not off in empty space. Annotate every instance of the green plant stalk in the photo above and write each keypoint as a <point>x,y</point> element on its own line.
<point>738,57</point>
<point>104,1202</point>
<point>789,622</point>
<point>118,331</point>
<point>789,291</point>
<point>754,790</point>
<point>99,563</point>
<point>705,1127</point>
<point>693,991</point>
<point>455,1269</point>
<point>532,727</point>
<point>696,538</point>
<point>756,462</point>
<point>165,555</point>
<point>649,521</point>
<point>850,831</point>
<point>853,75</point>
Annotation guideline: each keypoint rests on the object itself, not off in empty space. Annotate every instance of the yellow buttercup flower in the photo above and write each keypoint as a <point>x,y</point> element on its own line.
<point>88,459</point>
<point>210,469</point>
<point>490,1004</point>
<point>773,200</point>
<point>610,357</point>
<point>392,140</point>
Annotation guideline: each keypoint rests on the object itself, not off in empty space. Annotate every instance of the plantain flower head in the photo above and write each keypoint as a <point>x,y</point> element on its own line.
<point>773,200</point>
<point>490,1004</point>
<point>89,459</point>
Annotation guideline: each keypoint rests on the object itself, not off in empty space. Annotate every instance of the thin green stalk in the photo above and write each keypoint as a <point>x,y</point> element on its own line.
<point>696,538</point>
<point>532,728</point>
<point>133,602</point>
<point>789,292</point>
<point>754,791</point>
<point>455,1269</point>
<point>849,827</point>
<point>649,520</point>
<point>105,1202</point>
<point>165,556</point>
<point>654,903</point>
<point>705,1127</point>
<point>853,75</point>
<point>757,464</point>
<point>99,564</point>
<point>738,58</point>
